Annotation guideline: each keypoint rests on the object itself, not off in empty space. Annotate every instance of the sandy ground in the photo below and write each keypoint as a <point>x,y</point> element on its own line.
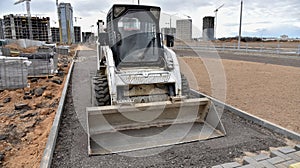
<point>271,92</point>
<point>24,132</point>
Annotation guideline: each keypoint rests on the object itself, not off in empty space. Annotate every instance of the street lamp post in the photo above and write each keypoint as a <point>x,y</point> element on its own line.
<point>92,28</point>
<point>240,29</point>
<point>216,16</point>
<point>171,20</point>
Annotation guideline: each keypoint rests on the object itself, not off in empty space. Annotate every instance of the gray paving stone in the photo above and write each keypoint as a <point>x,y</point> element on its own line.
<point>288,163</point>
<point>231,165</point>
<point>286,150</point>
<point>280,166</point>
<point>297,147</point>
<point>297,153</point>
<point>275,160</point>
<point>247,166</point>
<point>249,160</point>
<point>294,156</point>
<point>261,157</point>
<point>267,164</point>
<point>219,166</point>
<point>277,153</point>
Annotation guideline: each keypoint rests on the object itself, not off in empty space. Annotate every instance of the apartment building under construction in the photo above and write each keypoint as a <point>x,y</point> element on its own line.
<point>55,34</point>
<point>17,27</point>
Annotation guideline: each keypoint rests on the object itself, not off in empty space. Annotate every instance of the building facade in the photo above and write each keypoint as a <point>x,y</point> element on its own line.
<point>88,37</point>
<point>1,29</point>
<point>66,29</point>
<point>17,27</point>
<point>55,34</point>
<point>77,33</point>
<point>208,31</point>
<point>184,29</point>
<point>168,31</point>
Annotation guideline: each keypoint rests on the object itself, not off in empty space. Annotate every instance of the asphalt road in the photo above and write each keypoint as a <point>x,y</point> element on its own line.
<point>71,148</point>
<point>284,60</point>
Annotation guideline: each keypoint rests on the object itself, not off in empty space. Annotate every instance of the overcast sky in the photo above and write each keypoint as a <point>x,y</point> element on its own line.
<point>261,18</point>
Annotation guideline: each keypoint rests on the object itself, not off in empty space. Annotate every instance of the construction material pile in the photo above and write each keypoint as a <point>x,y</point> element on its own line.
<point>42,63</point>
<point>13,72</point>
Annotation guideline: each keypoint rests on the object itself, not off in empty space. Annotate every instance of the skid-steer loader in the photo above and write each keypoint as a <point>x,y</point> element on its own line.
<point>141,98</point>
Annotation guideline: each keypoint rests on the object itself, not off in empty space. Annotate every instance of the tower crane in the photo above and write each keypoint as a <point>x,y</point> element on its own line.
<point>216,15</point>
<point>29,15</point>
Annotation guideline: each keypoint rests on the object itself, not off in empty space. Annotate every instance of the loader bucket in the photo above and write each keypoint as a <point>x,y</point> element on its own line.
<point>115,129</point>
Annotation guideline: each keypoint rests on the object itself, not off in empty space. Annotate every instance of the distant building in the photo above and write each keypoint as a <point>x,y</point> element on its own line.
<point>87,37</point>
<point>184,29</point>
<point>77,33</point>
<point>16,27</point>
<point>208,31</point>
<point>1,29</point>
<point>284,37</point>
<point>168,31</point>
<point>66,29</point>
<point>55,34</point>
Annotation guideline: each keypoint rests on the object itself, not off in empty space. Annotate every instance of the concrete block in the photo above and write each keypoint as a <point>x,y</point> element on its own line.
<point>275,160</point>
<point>280,166</point>
<point>258,165</point>
<point>231,165</point>
<point>294,156</point>
<point>247,166</point>
<point>267,164</point>
<point>286,150</point>
<point>218,166</point>
<point>297,153</point>
<point>297,147</point>
<point>288,163</point>
<point>261,157</point>
<point>277,153</point>
<point>249,160</point>
<point>13,72</point>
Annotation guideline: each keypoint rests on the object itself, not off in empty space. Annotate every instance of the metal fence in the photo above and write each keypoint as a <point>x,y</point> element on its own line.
<point>13,72</point>
<point>280,49</point>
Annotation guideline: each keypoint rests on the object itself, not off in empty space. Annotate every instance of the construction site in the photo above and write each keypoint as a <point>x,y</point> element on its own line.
<point>127,97</point>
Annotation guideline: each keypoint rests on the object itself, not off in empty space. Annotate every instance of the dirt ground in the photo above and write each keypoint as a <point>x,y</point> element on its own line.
<point>24,130</point>
<point>271,92</point>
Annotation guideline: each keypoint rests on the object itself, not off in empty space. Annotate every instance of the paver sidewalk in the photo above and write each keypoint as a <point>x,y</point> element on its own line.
<point>280,158</point>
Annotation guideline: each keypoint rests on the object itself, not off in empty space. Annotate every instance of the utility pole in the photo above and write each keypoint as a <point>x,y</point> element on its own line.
<point>240,29</point>
<point>216,15</point>
<point>138,2</point>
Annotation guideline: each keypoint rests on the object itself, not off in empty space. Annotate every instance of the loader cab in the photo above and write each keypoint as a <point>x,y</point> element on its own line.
<point>134,36</point>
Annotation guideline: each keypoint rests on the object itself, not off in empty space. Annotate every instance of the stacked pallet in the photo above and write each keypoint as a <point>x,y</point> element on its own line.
<point>43,64</point>
<point>13,72</point>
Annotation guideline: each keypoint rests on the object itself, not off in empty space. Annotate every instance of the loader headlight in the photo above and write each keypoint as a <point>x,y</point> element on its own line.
<point>118,11</point>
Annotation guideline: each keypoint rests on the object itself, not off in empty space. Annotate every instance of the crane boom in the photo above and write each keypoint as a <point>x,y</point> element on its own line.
<point>219,8</point>
<point>20,1</point>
